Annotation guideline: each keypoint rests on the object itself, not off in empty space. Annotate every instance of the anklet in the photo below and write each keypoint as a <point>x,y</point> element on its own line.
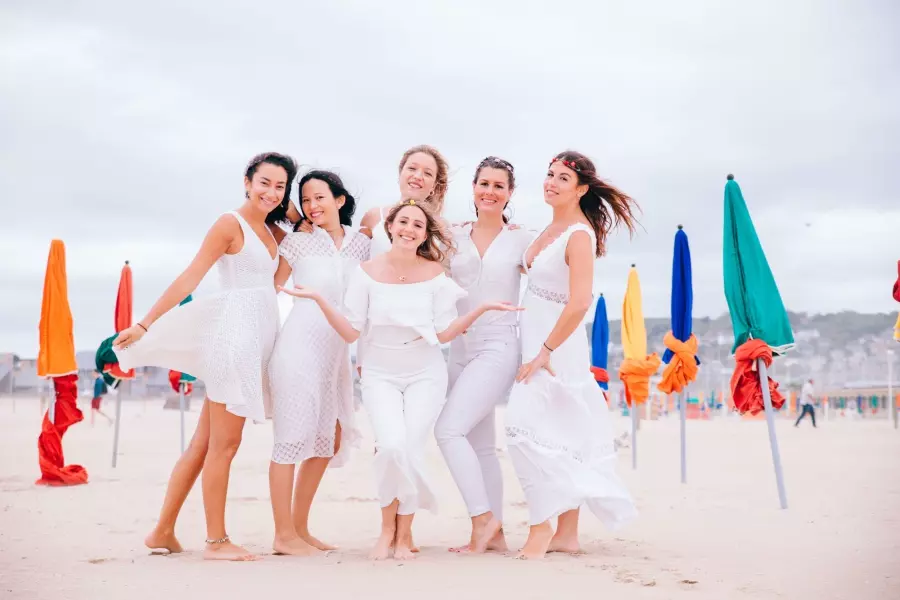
<point>223,540</point>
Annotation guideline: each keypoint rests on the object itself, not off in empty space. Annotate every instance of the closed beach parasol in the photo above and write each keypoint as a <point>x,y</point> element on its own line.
<point>110,364</point>
<point>758,317</point>
<point>681,344</point>
<point>637,367</point>
<point>56,360</point>
<point>600,345</point>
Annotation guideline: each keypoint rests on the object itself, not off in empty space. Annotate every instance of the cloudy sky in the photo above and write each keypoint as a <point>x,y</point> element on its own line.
<point>124,129</point>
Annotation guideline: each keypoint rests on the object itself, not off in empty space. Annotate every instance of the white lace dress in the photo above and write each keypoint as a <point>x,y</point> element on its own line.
<point>558,428</point>
<point>224,339</point>
<point>310,375</point>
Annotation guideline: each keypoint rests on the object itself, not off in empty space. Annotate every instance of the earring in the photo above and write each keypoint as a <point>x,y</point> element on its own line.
<point>246,194</point>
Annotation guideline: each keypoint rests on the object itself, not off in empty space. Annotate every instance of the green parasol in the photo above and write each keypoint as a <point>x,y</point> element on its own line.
<point>760,322</point>
<point>757,311</point>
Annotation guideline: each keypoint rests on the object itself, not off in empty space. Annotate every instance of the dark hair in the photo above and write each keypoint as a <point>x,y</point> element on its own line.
<point>279,213</point>
<point>345,213</point>
<point>493,162</point>
<point>434,231</point>
<point>441,178</point>
<point>605,206</point>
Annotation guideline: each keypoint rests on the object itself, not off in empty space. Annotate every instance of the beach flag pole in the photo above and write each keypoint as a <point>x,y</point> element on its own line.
<point>115,455</point>
<point>892,402</point>
<point>683,426</point>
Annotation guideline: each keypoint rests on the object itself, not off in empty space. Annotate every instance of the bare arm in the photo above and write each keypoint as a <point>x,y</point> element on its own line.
<point>220,237</point>
<point>460,324</point>
<point>282,272</point>
<point>338,321</point>
<point>370,220</point>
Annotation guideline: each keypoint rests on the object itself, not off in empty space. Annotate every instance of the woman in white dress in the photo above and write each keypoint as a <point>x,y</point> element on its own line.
<point>401,306</point>
<point>557,424</point>
<point>225,340</point>
<point>309,374</point>
<point>483,361</point>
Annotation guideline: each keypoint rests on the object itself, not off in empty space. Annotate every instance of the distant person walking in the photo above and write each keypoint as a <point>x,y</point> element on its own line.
<point>100,390</point>
<point>807,401</point>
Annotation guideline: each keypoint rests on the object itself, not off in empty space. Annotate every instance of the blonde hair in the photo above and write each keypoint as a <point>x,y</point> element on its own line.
<point>435,235</point>
<point>441,179</point>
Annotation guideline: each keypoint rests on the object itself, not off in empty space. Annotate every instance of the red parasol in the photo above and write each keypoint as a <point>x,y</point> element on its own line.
<point>56,359</point>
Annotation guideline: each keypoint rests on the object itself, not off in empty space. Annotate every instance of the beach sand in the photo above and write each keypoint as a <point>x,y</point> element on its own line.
<point>720,536</point>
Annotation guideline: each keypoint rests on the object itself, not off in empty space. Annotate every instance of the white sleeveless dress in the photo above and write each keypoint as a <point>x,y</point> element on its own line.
<point>224,339</point>
<point>558,428</point>
<point>310,377</point>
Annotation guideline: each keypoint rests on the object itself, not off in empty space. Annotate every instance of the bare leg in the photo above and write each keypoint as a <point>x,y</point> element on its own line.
<point>403,546</point>
<point>281,480</point>
<point>225,430</point>
<point>382,549</point>
<point>182,479</point>
<point>104,415</point>
<point>308,479</point>
<point>538,541</point>
<point>94,410</point>
<point>566,537</point>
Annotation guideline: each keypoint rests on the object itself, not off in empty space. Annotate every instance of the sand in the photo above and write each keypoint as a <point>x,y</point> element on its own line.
<point>720,536</point>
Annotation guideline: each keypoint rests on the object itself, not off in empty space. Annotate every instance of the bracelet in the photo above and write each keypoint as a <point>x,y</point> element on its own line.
<point>549,349</point>
<point>142,327</point>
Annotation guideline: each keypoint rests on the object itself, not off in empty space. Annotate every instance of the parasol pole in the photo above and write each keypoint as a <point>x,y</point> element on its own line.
<point>633,409</point>
<point>51,406</point>
<point>892,402</point>
<point>181,410</point>
<point>683,418</point>
<point>770,422</point>
<point>115,455</point>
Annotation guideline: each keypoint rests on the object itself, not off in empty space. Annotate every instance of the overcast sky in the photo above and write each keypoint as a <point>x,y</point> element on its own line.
<point>125,128</point>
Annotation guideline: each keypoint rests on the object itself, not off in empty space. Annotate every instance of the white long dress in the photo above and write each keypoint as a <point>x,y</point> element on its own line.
<point>224,339</point>
<point>558,428</point>
<point>310,376</point>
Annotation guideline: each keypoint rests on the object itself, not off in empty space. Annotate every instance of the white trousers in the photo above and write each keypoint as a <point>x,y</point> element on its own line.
<point>483,365</point>
<point>403,392</point>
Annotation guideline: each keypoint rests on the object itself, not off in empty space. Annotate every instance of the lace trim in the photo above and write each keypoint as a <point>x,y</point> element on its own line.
<point>545,294</point>
<point>516,432</point>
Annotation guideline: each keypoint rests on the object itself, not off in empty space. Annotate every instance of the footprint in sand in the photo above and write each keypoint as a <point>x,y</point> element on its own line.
<point>98,561</point>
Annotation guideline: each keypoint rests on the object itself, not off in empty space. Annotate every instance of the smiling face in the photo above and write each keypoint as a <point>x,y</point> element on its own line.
<point>561,186</point>
<point>418,176</point>
<point>265,190</point>
<point>409,228</point>
<point>319,204</point>
<point>491,190</point>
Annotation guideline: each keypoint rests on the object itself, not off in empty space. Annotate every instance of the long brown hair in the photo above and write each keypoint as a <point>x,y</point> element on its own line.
<point>605,206</point>
<point>441,178</point>
<point>434,232</point>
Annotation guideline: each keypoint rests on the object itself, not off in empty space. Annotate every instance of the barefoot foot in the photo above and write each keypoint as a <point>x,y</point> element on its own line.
<point>403,552</point>
<point>382,549</point>
<point>564,544</point>
<point>316,542</point>
<point>293,546</point>
<point>162,542</point>
<point>489,537</point>
<point>227,551</point>
<point>537,543</point>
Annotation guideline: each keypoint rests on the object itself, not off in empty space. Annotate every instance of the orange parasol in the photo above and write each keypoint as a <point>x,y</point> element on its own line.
<point>56,359</point>
<point>123,317</point>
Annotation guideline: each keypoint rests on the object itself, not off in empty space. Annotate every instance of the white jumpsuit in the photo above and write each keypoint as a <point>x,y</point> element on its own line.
<point>404,378</point>
<point>483,365</point>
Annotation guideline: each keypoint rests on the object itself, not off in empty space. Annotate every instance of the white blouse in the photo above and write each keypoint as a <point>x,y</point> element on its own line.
<point>423,309</point>
<point>494,278</point>
<point>316,262</point>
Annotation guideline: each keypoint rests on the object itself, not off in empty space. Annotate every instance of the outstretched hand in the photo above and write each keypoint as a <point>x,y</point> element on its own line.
<point>128,336</point>
<point>502,306</point>
<point>300,291</point>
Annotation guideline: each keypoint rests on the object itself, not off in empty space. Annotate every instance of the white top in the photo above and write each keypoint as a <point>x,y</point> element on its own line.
<point>381,243</point>
<point>315,260</point>
<point>807,394</point>
<point>494,278</point>
<point>414,310</point>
